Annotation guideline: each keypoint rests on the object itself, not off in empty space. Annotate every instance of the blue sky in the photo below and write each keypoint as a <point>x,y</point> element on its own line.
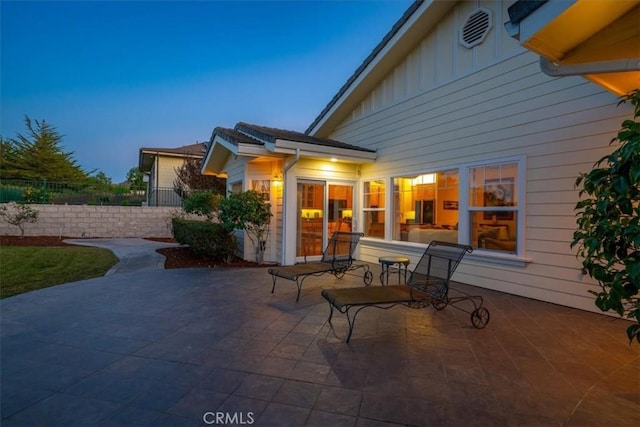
<point>116,76</point>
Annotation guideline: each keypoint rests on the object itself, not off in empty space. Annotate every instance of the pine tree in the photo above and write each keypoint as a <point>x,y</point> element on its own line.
<point>38,155</point>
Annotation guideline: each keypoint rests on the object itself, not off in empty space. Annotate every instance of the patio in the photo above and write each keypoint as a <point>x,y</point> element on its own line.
<point>208,346</point>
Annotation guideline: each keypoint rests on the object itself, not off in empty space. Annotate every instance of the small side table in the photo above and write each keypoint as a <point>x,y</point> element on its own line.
<point>386,262</point>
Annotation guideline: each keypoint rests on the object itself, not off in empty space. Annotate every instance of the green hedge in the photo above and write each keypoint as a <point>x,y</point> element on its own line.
<point>205,238</point>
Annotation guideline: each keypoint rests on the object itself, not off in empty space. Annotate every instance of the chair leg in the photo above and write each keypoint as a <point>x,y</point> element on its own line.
<point>299,285</point>
<point>273,276</point>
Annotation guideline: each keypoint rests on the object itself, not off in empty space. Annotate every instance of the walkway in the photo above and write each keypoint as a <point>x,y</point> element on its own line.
<point>169,347</point>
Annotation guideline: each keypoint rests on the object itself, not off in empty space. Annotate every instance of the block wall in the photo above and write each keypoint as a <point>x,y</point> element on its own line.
<point>97,221</point>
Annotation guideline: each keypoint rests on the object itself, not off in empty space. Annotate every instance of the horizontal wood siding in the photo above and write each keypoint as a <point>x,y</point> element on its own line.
<point>460,106</point>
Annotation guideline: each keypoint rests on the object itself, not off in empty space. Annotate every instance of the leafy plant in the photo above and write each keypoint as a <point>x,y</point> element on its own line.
<point>203,203</point>
<point>212,241</point>
<point>189,178</point>
<point>608,219</point>
<point>18,214</point>
<point>248,211</point>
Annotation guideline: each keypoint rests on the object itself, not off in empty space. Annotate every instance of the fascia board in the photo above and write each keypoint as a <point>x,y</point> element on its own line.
<point>425,17</point>
<point>224,143</point>
<point>252,150</point>
<point>313,150</point>
<point>545,14</point>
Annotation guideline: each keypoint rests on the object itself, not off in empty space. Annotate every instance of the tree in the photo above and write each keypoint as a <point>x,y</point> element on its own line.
<point>135,178</point>
<point>189,178</point>
<point>608,219</point>
<point>18,214</point>
<point>39,155</point>
<point>247,211</point>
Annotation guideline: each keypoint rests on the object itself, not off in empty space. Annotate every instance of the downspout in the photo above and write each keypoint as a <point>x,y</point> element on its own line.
<point>284,202</point>
<point>552,69</point>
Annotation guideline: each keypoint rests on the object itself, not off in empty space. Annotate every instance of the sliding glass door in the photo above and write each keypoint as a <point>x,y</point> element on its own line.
<point>322,209</point>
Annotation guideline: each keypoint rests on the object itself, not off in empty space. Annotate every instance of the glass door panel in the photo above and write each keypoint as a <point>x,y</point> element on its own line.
<point>310,236</point>
<point>340,208</point>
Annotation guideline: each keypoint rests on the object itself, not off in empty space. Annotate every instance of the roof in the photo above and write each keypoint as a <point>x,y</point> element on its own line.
<point>196,149</point>
<point>598,40</point>
<point>368,60</point>
<point>272,135</point>
<point>148,154</point>
<point>234,137</point>
<point>420,18</point>
<point>256,141</point>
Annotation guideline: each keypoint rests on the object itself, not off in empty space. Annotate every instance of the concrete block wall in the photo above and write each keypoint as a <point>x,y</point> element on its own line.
<point>97,221</point>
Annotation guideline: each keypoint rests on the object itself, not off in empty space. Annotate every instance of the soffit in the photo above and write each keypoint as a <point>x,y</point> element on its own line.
<point>584,32</point>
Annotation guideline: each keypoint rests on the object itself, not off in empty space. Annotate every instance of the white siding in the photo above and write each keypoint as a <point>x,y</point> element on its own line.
<point>167,170</point>
<point>457,106</point>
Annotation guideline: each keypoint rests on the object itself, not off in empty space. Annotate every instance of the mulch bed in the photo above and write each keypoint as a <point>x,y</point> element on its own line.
<point>178,257</point>
<point>33,241</point>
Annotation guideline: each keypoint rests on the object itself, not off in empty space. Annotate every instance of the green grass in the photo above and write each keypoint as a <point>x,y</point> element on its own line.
<point>27,268</point>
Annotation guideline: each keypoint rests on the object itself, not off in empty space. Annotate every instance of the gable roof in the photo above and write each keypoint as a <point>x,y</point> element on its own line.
<point>148,154</point>
<point>261,141</point>
<point>272,135</point>
<point>414,24</point>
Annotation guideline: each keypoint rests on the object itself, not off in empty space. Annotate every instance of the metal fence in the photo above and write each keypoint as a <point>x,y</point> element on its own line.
<point>85,193</point>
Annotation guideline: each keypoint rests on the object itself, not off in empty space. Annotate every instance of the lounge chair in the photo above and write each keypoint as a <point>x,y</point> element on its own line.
<point>428,284</point>
<point>337,259</point>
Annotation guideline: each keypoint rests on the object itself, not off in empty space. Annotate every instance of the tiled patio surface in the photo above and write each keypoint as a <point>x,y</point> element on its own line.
<point>165,348</point>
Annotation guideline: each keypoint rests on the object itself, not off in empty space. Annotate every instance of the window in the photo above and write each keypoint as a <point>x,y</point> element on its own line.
<point>263,188</point>
<point>374,208</point>
<point>493,206</point>
<point>235,187</point>
<point>426,207</point>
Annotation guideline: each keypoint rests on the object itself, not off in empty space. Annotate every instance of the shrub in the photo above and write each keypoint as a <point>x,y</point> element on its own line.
<point>206,239</point>
<point>18,215</point>
<point>608,219</point>
<point>247,211</point>
<point>203,203</point>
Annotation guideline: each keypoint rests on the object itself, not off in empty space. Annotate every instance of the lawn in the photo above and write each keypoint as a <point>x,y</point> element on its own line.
<point>27,268</point>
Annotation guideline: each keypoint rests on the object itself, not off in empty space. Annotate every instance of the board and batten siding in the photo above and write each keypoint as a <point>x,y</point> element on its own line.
<point>484,108</point>
<point>167,170</point>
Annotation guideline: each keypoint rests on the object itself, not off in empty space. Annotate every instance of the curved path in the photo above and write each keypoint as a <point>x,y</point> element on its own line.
<point>134,254</point>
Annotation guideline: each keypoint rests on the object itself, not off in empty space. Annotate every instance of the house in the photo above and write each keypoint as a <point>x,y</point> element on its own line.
<point>450,130</point>
<point>159,167</point>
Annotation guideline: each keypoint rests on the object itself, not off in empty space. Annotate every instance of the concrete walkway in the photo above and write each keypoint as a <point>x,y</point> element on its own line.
<point>133,254</point>
<point>196,347</point>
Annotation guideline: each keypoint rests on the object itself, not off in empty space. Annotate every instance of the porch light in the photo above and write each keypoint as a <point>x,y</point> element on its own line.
<point>277,178</point>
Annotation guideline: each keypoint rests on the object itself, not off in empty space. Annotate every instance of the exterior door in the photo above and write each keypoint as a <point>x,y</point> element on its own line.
<point>322,208</point>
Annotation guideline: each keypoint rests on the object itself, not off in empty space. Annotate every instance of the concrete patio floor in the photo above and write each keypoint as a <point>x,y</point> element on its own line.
<point>198,347</point>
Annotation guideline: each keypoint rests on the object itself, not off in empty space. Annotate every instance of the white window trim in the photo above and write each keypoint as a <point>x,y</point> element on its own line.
<point>464,226</point>
<point>363,209</point>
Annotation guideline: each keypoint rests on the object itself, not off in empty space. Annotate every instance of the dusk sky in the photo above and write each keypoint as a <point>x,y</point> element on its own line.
<point>116,76</point>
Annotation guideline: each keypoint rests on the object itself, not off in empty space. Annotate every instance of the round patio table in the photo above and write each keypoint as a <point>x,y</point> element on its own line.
<point>393,264</point>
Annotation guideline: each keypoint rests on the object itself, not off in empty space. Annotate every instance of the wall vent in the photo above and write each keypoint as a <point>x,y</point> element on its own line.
<point>475,28</point>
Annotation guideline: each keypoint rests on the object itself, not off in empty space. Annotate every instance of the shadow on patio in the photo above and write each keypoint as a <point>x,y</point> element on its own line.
<point>170,347</point>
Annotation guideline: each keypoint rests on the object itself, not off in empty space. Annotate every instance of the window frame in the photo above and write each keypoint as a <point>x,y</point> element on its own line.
<point>383,210</point>
<point>464,208</point>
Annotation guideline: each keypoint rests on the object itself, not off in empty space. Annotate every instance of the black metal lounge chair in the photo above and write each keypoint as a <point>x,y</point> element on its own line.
<point>428,284</point>
<point>337,259</point>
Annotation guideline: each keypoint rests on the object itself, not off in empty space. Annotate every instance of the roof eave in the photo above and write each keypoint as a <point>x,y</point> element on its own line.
<point>419,19</point>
